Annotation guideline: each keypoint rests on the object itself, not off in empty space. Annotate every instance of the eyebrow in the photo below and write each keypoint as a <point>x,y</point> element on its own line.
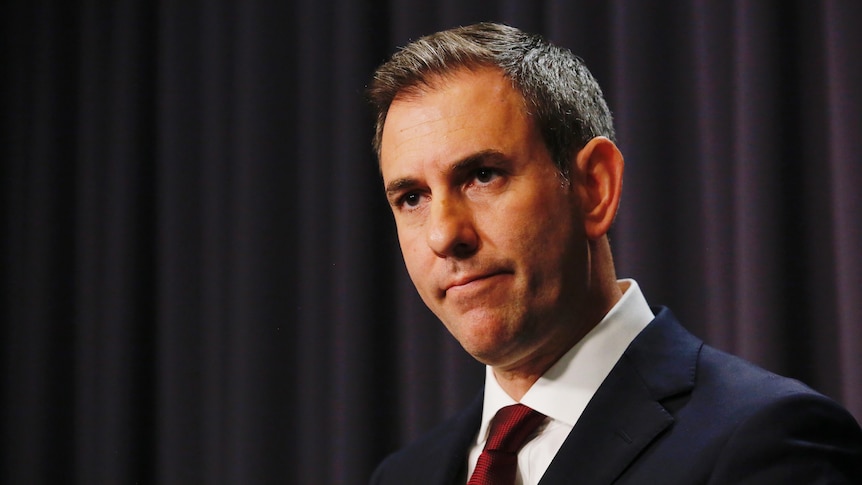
<point>399,185</point>
<point>465,165</point>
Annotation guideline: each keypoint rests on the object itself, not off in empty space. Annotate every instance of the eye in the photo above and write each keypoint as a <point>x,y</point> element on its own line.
<point>485,175</point>
<point>410,200</point>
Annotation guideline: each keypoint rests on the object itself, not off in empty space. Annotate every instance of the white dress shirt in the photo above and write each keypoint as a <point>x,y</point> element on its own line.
<point>564,390</point>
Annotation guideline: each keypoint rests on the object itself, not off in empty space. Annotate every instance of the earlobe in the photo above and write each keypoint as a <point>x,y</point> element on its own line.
<point>600,176</point>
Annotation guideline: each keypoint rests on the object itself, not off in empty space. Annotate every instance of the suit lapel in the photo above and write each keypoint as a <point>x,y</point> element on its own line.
<point>446,457</point>
<point>626,414</point>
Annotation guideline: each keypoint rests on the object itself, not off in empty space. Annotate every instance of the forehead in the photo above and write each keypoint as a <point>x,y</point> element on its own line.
<point>455,115</point>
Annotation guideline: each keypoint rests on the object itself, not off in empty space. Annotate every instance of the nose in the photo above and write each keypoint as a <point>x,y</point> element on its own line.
<point>451,230</point>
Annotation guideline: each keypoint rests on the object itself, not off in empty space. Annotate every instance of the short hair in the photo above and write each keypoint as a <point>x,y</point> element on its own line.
<point>561,95</point>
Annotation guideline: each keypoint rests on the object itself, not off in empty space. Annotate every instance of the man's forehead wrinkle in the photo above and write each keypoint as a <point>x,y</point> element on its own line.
<point>425,127</point>
<point>424,134</point>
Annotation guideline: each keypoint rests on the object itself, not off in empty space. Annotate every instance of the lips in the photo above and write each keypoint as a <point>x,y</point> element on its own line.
<point>465,280</point>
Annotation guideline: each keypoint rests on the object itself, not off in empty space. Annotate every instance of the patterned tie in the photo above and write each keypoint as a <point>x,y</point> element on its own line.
<point>510,429</point>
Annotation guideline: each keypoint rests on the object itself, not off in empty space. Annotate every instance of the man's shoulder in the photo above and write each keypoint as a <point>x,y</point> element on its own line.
<point>667,348</point>
<point>735,420</point>
<point>736,375</point>
<point>760,415</point>
<point>719,377</point>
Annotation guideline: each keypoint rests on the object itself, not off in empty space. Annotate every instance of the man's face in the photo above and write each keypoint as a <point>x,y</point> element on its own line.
<point>491,235</point>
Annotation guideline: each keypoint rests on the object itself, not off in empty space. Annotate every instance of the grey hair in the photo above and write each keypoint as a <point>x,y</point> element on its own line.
<point>561,95</point>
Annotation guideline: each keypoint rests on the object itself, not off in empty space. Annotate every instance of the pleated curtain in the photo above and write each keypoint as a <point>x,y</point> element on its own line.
<point>201,280</point>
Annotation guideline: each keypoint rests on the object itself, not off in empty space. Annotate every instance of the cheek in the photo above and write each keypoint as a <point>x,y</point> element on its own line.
<point>534,220</point>
<point>415,258</point>
<point>543,232</point>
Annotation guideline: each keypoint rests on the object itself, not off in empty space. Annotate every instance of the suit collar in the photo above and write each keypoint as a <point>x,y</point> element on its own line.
<point>626,414</point>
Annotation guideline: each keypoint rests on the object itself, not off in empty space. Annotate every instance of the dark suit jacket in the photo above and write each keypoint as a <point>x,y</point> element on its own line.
<point>672,411</point>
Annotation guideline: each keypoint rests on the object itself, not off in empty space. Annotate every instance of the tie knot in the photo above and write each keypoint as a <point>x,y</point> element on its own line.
<point>511,427</point>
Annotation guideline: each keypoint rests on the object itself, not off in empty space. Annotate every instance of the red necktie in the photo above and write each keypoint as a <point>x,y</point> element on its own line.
<point>510,430</point>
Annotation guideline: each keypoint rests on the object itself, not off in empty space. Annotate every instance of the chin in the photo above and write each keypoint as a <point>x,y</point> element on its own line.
<point>485,356</point>
<point>488,348</point>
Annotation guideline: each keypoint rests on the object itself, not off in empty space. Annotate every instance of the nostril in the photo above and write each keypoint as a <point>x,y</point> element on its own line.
<point>464,249</point>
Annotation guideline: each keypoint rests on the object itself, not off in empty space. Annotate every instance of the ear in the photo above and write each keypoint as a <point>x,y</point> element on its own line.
<point>599,179</point>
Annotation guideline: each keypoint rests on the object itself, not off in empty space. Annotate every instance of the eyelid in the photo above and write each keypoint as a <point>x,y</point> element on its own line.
<point>492,172</point>
<point>400,202</point>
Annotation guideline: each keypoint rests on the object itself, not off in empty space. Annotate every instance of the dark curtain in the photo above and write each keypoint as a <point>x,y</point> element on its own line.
<point>201,280</point>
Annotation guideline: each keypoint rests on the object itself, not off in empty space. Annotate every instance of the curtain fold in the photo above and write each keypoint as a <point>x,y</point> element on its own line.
<point>201,276</point>
<point>843,76</point>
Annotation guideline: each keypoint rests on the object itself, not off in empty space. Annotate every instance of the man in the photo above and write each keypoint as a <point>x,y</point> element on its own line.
<point>497,156</point>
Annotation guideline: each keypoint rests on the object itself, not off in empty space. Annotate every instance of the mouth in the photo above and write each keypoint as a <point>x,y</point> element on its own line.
<point>466,281</point>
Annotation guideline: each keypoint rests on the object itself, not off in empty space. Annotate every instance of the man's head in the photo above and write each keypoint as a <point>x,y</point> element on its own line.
<point>562,97</point>
<point>512,259</point>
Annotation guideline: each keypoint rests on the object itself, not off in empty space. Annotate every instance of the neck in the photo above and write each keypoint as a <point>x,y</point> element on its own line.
<point>604,293</point>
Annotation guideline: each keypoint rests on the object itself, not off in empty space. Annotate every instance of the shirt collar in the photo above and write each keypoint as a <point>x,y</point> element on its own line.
<point>563,391</point>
